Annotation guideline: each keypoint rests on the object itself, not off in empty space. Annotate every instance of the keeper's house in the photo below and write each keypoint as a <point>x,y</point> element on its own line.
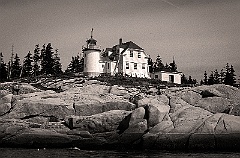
<point>125,58</point>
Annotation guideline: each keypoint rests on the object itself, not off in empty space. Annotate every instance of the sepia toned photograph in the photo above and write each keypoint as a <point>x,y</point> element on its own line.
<point>120,78</point>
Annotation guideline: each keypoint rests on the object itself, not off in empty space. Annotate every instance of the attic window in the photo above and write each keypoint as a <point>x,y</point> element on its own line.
<point>131,53</point>
<point>139,54</point>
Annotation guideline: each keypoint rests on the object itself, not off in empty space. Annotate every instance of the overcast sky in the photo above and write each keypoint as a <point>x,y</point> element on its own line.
<point>200,34</point>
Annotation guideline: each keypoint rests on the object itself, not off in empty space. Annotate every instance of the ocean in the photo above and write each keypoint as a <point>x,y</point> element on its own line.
<point>75,152</point>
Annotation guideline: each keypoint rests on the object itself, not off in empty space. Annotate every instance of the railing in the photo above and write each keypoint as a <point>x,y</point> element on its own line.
<point>91,47</point>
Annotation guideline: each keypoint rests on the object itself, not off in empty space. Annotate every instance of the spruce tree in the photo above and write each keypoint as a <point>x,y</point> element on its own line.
<point>173,66</point>
<point>3,69</point>
<point>16,68</point>
<point>47,59</point>
<point>205,78</point>
<point>158,65</point>
<point>76,65</point>
<point>184,79</point>
<point>36,59</point>
<point>57,66</point>
<point>222,76</point>
<point>227,79</point>
<point>211,79</point>
<point>232,76</point>
<point>27,65</point>
<point>216,77</point>
<point>190,80</point>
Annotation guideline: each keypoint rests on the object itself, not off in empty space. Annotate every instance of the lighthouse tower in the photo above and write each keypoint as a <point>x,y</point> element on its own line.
<point>91,54</point>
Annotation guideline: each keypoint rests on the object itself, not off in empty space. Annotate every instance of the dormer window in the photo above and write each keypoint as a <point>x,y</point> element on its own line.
<point>131,53</point>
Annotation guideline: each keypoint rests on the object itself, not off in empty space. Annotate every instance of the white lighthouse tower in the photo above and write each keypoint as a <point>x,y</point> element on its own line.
<point>91,54</point>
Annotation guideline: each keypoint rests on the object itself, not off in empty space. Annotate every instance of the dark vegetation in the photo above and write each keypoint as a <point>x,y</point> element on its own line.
<point>227,77</point>
<point>45,63</point>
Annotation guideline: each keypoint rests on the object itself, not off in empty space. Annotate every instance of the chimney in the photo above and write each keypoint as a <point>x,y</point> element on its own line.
<point>120,41</point>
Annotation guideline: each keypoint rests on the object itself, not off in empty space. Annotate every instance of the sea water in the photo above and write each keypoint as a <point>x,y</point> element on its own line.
<point>75,152</point>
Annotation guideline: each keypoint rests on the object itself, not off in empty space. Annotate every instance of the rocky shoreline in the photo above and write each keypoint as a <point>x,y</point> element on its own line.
<point>89,114</point>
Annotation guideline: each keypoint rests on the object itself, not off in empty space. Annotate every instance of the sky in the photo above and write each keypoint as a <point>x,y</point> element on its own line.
<point>201,35</point>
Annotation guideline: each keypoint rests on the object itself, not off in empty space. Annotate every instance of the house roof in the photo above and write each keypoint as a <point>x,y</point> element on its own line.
<point>130,44</point>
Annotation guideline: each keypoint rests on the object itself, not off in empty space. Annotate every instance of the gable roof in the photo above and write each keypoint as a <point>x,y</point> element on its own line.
<point>130,44</point>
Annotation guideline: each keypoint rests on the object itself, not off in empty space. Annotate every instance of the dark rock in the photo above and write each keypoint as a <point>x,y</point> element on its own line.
<point>103,122</point>
<point>201,141</point>
<point>83,134</point>
<point>136,116</point>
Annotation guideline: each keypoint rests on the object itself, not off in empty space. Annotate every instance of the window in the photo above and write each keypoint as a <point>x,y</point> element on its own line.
<point>127,65</point>
<point>108,65</point>
<point>135,66</point>
<point>131,53</point>
<point>143,66</point>
<point>103,66</point>
<point>156,76</point>
<point>139,54</point>
<point>171,78</point>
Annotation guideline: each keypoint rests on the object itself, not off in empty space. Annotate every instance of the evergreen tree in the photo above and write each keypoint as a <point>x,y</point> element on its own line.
<point>3,69</point>
<point>227,79</point>
<point>27,65</point>
<point>167,67</point>
<point>57,66</point>
<point>216,76</point>
<point>76,65</point>
<point>158,65</point>
<point>173,66</point>
<point>222,76</point>
<point>47,59</point>
<point>232,76</point>
<point>36,59</point>
<point>184,79</point>
<point>16,68</point>
<point>190,80</point>
<point>211,79</point>
<point>205,78</point>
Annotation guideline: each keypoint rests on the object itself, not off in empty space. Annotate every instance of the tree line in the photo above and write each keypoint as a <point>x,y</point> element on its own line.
<point>43,61</point>
<point>226,76</point>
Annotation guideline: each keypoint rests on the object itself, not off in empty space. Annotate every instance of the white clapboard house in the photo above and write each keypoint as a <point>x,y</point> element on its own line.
<point>127,59</point>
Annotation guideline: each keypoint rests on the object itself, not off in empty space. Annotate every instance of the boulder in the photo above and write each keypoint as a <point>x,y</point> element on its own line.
<point>209,125</point>
<point>133,118</point>
<point>156,108</point>
<point>177,103</point>
<point>162,127</point>
<point>35,137</point>
<point>134,133</point>
<point>103,122</point>
<point>154,114</point>
<point>189,119</point>
<point>215,104</point>
<point>228,124</point>
<point>191,97</point>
